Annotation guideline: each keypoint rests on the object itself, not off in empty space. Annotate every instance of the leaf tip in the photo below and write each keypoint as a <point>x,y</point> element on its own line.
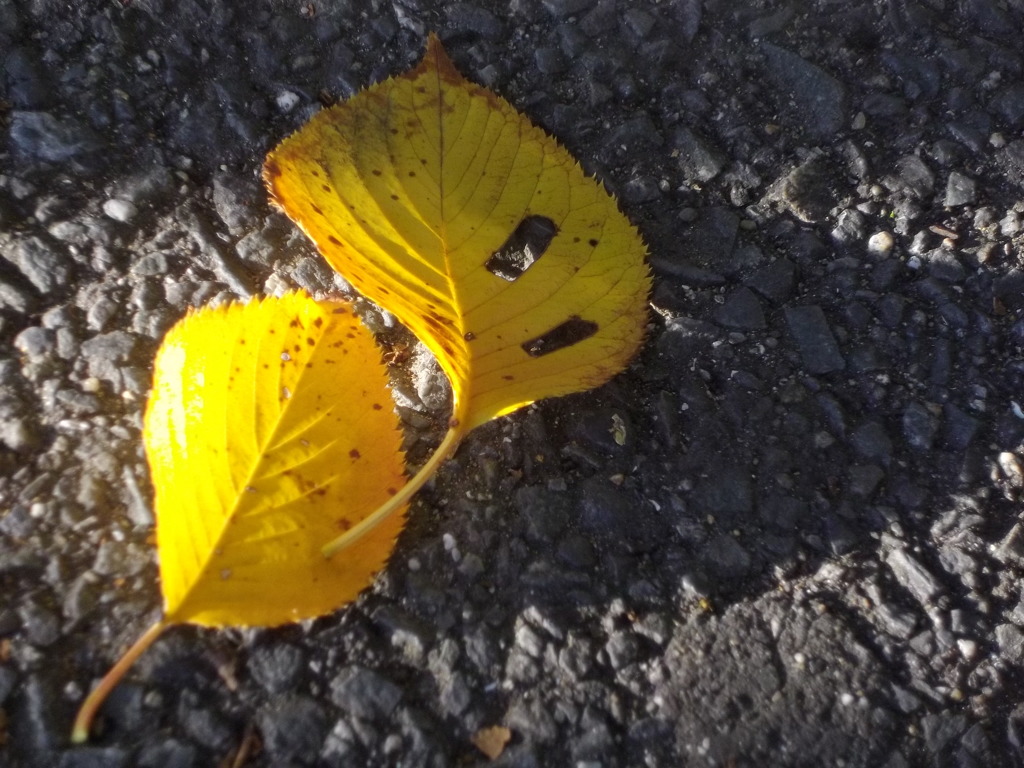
<point>436,58</point>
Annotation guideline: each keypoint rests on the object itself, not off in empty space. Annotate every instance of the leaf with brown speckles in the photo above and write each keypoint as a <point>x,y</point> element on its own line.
<point>263,443</point>
<point>439,201</point>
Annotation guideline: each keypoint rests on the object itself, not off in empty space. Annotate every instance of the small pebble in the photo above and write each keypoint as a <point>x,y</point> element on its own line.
<point>968,648</point>
<point>1012,469</point>
<point>286,101</point>
<point>880,243</point>
<point>120,210</point>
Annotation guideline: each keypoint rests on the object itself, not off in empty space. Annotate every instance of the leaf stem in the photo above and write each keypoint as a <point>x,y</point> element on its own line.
<point>92,703</point>
<point>444,450</point>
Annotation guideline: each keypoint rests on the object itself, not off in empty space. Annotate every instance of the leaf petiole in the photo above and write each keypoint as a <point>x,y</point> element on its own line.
<point>92,703</point>
<point>447,447</point>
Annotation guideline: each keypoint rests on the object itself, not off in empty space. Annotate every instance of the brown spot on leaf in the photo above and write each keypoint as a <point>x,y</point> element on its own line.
<point>354,453</point>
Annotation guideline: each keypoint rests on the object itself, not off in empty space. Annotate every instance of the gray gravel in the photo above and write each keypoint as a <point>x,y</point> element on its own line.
<point>806,550</point>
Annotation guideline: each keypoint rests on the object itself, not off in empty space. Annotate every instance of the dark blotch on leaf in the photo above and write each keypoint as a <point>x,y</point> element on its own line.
<point>523,247</point>
<point>354,453</point>
<point>572,331</point>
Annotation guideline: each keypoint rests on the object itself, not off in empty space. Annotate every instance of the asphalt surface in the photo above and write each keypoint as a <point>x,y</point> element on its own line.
<point>807,549</point>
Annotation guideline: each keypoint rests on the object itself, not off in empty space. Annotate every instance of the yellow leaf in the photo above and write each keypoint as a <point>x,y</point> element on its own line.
<point>269,430</point>
<point>439,201</point>
<point>492,740</point>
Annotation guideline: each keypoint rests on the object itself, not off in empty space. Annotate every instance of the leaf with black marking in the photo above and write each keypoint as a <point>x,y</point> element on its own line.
<point>439,201</point>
